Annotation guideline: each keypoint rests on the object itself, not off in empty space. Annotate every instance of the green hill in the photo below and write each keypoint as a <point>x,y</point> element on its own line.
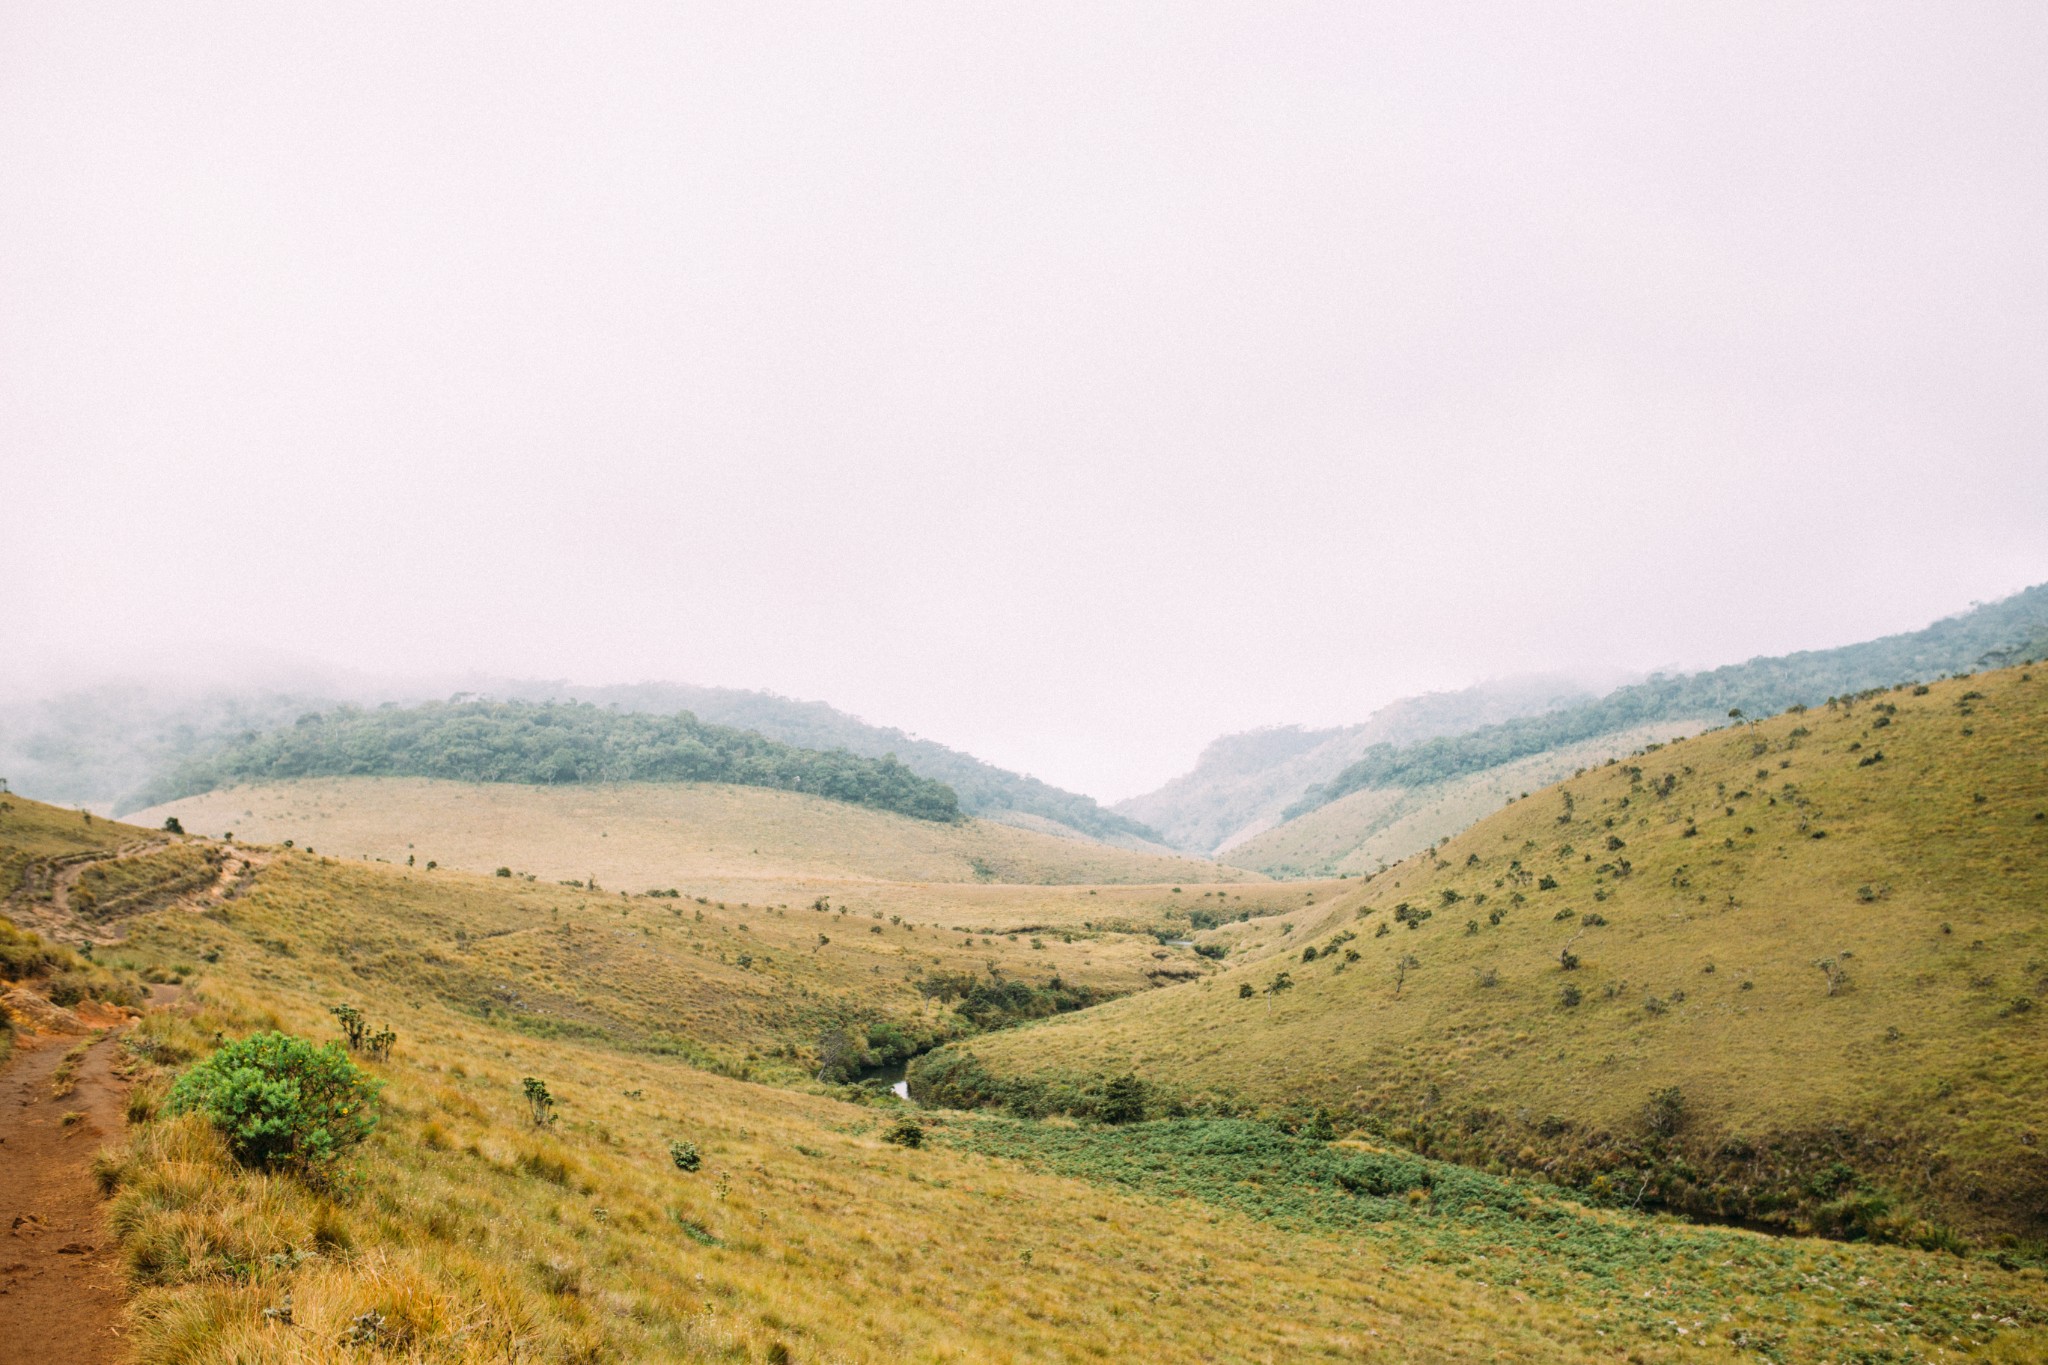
<point>1791,973</point>
<point>551,743</point>
<point>2001,632</point>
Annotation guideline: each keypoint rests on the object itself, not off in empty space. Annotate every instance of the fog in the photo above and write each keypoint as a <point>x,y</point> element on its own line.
<point>1069,384</point>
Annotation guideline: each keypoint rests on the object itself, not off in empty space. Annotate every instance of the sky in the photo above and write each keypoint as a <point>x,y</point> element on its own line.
<point>1067,383</point>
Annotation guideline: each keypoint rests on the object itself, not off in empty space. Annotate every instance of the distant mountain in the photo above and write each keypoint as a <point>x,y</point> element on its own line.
<point>1300,802</point>
<point>1986,636</point>
<point>103,746</point>
<point>985,790</point>
<point>1242,783</point>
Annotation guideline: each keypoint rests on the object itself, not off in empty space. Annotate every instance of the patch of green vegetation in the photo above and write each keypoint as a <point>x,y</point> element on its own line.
<point>551,742</point>
<point>1644,1278</point>
<point>281,1101</point>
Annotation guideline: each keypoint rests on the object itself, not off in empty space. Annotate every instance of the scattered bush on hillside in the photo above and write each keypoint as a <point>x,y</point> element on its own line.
<point>904,1132</point>
<point>1761,687</point>
<point>685,1156</point>
<point>281,1101</point>
<point>1123,1100</point>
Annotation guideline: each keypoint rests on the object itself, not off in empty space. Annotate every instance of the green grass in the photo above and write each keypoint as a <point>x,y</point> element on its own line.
<point>1909,1100</point>
<point>1637,1279</point>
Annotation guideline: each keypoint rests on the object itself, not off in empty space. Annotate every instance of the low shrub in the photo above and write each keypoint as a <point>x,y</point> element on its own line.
<point>280,1101</point>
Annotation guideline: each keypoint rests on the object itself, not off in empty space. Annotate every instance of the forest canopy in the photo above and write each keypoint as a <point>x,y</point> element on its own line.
<point>551,742</point>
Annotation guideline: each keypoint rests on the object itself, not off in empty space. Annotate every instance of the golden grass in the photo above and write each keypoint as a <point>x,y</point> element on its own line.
<point>477,1237</point>
<point>1920,877</point>
<point>638,835</point>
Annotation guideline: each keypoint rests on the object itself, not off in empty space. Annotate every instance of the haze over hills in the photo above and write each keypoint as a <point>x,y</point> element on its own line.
<point>102,747</point>
<point>1243,783</point>
<point>1319,803</point>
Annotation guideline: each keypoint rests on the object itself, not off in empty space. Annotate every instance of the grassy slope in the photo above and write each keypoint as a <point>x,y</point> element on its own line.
<point>477,1237</point>
<point>641,835</point>
<point>31,833</point>
<point>659,973</point>
<point>1367,830</point>
<point>1926,1073</point>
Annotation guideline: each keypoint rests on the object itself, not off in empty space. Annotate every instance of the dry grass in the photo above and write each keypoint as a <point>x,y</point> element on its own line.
<point>476,1237</point>
<point>638,835</point>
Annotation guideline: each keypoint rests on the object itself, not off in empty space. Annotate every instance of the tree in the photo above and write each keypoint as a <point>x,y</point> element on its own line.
<point>172,826</point>
<point>1406,963</point>
<point>539,1103</point>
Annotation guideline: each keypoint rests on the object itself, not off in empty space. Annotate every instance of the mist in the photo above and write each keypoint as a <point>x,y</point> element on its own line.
<point>1068,384</point>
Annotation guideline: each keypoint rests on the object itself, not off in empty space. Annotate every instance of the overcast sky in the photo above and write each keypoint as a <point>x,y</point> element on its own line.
<point>1066,383</point>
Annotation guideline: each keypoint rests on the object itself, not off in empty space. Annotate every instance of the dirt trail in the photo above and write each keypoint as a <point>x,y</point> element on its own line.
<point>61,1284</point>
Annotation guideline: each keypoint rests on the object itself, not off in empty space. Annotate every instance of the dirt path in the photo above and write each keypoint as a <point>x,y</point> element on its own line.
<point>61,1285</point>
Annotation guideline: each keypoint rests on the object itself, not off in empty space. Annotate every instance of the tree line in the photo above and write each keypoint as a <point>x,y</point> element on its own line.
<point>549,743</point>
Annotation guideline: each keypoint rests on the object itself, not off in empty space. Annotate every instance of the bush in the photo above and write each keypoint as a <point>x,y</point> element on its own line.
<point>905,1132</point>
<point>281,1101</point>
<point>1123,1100</point>
<point>685,1156</point>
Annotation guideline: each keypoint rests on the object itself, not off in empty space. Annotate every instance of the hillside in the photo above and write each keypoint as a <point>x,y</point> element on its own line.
<point>1242,783</point>
<point>1788,973</point>
<point>669,1208</point>
<point>1999,632</point>
<point>643,834</point>
<point>1366,830</point>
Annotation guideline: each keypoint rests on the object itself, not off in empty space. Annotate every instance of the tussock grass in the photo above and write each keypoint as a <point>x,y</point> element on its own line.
<point>471,1235</point>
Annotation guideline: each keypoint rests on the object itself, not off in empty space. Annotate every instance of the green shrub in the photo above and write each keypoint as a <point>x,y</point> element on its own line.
<point>905,1132</point>
<point>279,1100</point>
<point>685,1156</point>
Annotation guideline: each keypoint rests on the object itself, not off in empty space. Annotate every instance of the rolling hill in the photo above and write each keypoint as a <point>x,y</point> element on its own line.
<point>636,835</point>
<point>1789,973</point>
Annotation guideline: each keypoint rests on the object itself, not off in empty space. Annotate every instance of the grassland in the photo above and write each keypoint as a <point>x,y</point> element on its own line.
<point>750,987</point>
<point>1365,831</point>
<point>472,1234</point>
<point>467,1232</point>
<point>642,835</point>
<point>1788,973</point>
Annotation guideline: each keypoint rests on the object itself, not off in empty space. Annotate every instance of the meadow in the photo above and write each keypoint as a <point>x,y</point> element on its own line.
<point>634,836</point>
<point>464,1230</point>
